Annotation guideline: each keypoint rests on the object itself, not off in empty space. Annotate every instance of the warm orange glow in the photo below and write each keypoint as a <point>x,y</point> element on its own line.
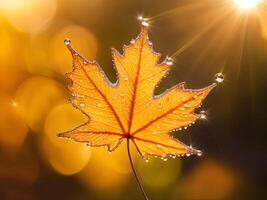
<point>30,16</point>
<point>247,4</point>
<point>35,97</point>
<point>65,157</point>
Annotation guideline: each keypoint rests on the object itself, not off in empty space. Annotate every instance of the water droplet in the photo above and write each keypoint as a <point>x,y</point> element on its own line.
<point>144,21</point>
<point>132,41</point>
<point>149,42</point>
<point>82,104</point>
<point>14,104</point>
<point>219,77</point>
<point>169,61</point>
<point>159,146</point>
<point>67,41</point>
<point>99,105</point>
<point>126,78</point>
<point>146,160</point>
<point>185,127</point>
<point>80,95</point>
<point>199,154</point>
<point>85,62</point>
<point>202,114</point>
<point>140,18</point>
<point>188,154</point>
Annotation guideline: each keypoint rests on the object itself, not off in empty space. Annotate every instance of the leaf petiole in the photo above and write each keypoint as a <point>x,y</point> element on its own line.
<point>134,171</point>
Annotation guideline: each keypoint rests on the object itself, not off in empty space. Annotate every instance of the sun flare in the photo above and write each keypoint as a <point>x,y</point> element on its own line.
<point>247,4</point>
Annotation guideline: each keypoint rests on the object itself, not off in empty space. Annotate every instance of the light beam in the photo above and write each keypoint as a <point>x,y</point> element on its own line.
<point>247,4</point>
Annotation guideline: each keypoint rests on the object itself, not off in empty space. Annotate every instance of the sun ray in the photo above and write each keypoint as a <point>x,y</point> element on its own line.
<point>247,4</point>
<point>188,7</point>
<point>198,36</point>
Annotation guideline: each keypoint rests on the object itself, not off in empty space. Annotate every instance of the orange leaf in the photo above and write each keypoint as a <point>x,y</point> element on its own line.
<point>129,109</point>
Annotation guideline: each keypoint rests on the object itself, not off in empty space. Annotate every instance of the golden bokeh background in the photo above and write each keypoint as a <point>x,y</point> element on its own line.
<point>204,37</point>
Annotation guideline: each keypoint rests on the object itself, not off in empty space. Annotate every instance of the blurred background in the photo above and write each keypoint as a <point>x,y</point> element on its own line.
<point>203,37</point>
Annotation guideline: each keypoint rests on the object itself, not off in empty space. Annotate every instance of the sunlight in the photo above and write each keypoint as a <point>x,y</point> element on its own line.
<point>247,4</point>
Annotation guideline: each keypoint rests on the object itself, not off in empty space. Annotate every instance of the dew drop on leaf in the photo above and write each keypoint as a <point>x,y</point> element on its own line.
<point>186,105</point>
<point>219,78</point>
<point>14,104</point>
<point>169,61</point>
<point>144,21</point>
<point>202,114</point>
<point>164,159</point>
<point>140,18</point>
<point>199,154</point>
<point>67,41</point>
<point>82,104</point>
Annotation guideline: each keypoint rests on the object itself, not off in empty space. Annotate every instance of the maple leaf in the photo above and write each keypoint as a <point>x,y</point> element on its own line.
<point>129,109</point>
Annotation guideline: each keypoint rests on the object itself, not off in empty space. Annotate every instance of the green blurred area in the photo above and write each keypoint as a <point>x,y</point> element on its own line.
<point>207,37</point>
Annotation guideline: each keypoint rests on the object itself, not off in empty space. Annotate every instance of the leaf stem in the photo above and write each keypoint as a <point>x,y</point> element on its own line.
<point>134,171</point>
